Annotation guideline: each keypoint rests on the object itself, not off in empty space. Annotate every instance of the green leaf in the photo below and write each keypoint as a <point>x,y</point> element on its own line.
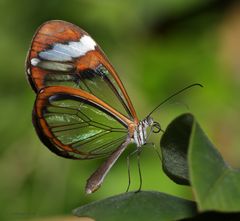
<point>185,148</point>
<point>174,147</point>
<point>216,184</point>
<point>141,206</point>
<point>215,216</point>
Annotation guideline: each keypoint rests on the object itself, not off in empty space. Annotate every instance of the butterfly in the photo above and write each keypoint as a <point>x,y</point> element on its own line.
<point>82,110</point>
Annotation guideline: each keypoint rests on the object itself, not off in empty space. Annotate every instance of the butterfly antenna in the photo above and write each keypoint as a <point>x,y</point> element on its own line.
<point>173,95</point>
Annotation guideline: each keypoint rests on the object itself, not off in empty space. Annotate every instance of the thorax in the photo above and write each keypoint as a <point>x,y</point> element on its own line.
<point>140,131</point>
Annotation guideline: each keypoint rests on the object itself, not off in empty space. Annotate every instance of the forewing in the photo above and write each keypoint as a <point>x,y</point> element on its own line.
<point>63,54</point>
<point>75,124</point>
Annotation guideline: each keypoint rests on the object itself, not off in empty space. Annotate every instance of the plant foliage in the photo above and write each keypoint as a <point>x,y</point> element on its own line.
<point>189,158</point>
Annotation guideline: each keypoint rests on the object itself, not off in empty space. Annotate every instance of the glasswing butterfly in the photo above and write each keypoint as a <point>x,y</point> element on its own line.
<point>82,110</point>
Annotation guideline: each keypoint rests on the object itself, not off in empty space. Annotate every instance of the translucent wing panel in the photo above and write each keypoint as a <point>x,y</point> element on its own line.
<point>98,82</point>
<point>62,54</point>
<point>83,126</point>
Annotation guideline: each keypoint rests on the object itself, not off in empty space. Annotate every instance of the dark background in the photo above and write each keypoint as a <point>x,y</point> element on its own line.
<point>157,47</point>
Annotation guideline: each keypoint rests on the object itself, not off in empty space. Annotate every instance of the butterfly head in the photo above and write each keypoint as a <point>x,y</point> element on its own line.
<point>155,126</point>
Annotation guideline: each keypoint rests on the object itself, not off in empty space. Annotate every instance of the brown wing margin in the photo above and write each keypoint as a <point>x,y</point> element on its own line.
<point>113,72</point>
<point>53,32</point>
<point>46,35</point>
<point>46,135</point>
<point>45,140</point>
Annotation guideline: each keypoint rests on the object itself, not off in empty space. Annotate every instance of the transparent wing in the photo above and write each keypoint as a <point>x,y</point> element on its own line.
<point>75,124</point>
<point>62,54</point>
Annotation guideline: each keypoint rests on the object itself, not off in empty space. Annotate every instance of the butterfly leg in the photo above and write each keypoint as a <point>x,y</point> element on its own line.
<point>137,151</point>
<point>129,175</point>
<point>139,170</point>
<point>128,167</point>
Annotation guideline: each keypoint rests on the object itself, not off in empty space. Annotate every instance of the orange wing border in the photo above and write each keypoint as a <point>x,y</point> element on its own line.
<point>61,32</point>
<point>45,134</point>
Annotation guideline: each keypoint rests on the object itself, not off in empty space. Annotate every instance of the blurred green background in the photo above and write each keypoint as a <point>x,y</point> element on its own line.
<point>157,47</point>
